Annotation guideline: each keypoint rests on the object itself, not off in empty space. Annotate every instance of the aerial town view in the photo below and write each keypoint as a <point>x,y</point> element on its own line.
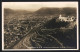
<point>40,25</point>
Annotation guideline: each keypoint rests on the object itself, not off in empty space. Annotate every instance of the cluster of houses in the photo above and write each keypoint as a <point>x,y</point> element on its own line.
<point>66,19</point>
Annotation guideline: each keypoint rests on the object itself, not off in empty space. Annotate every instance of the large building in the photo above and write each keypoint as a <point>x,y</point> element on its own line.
<point>66,19</point>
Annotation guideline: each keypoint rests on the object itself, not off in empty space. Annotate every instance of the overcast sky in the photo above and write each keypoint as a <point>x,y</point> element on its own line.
<point>32,6</point>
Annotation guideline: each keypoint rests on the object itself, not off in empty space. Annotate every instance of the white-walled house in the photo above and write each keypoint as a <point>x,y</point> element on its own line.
<point>66,19</point>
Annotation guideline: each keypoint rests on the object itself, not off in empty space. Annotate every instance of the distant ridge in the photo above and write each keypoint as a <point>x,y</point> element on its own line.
<point>53,11</point>
<point>11,11</point>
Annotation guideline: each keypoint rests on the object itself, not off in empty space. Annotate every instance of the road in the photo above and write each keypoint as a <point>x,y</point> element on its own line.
<point>25,42</point>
